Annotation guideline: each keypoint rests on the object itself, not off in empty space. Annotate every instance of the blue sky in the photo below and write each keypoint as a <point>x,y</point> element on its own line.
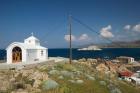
<point>118,20</point>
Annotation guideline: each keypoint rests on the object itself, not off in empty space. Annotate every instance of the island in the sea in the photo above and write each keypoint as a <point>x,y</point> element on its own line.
<point>94,48</point>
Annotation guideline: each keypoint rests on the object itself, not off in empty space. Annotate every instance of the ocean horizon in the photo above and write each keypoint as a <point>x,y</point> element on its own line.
<point>105,53</point>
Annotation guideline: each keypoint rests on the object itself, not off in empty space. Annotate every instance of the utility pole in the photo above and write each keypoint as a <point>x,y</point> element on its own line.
<point>70,45</point>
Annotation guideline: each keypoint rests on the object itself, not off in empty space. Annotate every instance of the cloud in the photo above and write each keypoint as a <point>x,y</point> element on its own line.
<point>127,27</point>
<point>67,37</point>
<point>137,28</point>
<point>84,37</point>
<point>105,32</point>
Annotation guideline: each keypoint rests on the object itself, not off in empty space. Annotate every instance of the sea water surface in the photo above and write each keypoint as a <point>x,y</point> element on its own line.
<point>109,53</point>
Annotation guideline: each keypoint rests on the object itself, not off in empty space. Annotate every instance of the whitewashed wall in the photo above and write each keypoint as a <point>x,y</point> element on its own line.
<point>31,55</point>
<point>42,57</point>
<point>9,52</point>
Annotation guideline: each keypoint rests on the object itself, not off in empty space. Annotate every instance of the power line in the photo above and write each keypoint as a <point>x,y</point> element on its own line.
<point>91,29</point>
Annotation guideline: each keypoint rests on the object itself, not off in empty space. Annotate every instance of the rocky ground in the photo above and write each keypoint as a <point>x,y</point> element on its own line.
<point>62,77</point>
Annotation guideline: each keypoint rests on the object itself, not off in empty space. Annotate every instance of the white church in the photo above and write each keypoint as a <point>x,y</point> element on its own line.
<point>28,51</point>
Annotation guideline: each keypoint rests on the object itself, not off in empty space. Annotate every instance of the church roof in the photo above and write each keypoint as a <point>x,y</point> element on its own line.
<point>32,38</point>
<point>32,46</point>
<point>27,46</point>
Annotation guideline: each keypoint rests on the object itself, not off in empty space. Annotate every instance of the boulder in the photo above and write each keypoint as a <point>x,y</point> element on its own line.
<point>37,83</point>
<point>67,73</point>
<point>102,83</point>
<point>72,81</point>
<point>79,81</point>
<point>54,72</point>
<point>102,68</point>
<point>49,84</point>
<point>26,73</point>
<point>89,77</point>
<point>20,91</point>
<point>39,76</point>
<point>28,87</point>
<point>12,80</point>
<point>115,90</point>
<point>4,85</point>
<point>60,77</point>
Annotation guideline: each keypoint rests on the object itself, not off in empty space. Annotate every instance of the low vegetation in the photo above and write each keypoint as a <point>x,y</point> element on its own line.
<point>62,78</point>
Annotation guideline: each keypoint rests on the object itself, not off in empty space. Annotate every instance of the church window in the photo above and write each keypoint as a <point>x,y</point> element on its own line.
<point>41,52</point>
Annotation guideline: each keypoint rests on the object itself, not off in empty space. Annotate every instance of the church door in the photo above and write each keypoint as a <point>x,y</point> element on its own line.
<point>16,55</point>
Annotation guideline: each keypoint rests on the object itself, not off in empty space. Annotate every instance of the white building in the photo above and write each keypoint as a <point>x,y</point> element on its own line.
<point>29,51</point>
<point>125,59</point>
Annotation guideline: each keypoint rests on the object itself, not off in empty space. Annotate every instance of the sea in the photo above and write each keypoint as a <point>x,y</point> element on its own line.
<point>106,53</point>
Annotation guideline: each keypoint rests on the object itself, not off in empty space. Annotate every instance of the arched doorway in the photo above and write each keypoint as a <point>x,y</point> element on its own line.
<point>16,54</point>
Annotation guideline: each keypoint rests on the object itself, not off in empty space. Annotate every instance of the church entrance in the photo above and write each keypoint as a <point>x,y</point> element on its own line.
<point>16,55</point>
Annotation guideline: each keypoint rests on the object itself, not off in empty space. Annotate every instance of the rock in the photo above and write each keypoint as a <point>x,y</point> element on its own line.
<point>17,74</point>
<point>49,84</point>
<point>39,76</point>
<point>78,73</point>
<point>26,73</point>
<point>115,90</point>
<point>60,77</point>
<point>36,91</point>
<point>3,89</point>
<point>67,73</point>
<point>4,85</point>
<point>102,67</point>
<point>92,60</point>
<point>28,87</point>
<point>72,81</point>
<point>37,83</point>
<point>79,81</point>
<point>12,80</point>
<point>43,68</point>
<point>102,83</point>
<point>82,60</point>
<point>111,86</point>
<point>20,91</point>
<point>54,72</point>
<point>89,77</point>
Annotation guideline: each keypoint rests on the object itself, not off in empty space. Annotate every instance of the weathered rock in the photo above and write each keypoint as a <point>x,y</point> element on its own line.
<point>17,74</point>
<point>79,81</point>
<point>54,72</point>
<point>72,81</point>
<point>82,60</point>
<point>4,85</point>
<point>42,68</point>
<point>102,67</point>
<point>37,83</point>
<point>49,84</point>
<point>102,83</point>
<point>3,89</point>
<point>67,73</point>
<point>39,76</point>
<point>12,80</point>
<point>115,90</point>
<point>60,77</point>
<point>89,77</point>
<point>28,87</point>
<point>20,91</point>
<point>26,73</point>
<point>36,90</point>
